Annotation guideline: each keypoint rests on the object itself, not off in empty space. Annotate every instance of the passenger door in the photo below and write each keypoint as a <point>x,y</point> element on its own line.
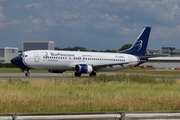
<point>36,57</point>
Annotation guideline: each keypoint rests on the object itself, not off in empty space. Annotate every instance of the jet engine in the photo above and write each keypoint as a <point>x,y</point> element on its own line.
<point>83,68</point>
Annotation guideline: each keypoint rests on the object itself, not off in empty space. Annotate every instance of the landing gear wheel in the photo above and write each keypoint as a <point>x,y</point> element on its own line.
<point>77,74</point>
<point>93,74</point>
<point>27,74</point>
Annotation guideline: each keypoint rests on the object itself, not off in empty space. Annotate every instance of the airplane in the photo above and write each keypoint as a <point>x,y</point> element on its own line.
<point>58,61</point>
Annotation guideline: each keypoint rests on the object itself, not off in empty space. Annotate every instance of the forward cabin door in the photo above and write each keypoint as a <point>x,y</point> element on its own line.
<point>36,57</point>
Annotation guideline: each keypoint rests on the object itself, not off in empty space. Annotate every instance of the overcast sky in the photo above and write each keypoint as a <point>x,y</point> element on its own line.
<point>93,24</point>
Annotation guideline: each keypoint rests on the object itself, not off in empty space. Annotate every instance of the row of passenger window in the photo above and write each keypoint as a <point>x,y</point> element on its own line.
<point>79,58</point>
<point>101,59</point>
<point>54,57</point>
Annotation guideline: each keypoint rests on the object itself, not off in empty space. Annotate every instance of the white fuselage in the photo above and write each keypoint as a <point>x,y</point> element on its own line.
<point>66,60</point>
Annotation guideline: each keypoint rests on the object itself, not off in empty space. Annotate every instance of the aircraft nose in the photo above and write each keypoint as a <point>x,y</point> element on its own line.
<point>16,61</point>
<point>19,62</point>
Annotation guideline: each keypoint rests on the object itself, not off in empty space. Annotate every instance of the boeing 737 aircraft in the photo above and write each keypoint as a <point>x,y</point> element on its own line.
<point>83,62</point>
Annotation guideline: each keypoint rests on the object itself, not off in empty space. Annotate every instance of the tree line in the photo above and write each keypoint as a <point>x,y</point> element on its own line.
<point>76,48</point>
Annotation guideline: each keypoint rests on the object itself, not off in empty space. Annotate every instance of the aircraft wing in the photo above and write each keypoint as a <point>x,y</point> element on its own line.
<point>104,66</point>
<point>109,65</point>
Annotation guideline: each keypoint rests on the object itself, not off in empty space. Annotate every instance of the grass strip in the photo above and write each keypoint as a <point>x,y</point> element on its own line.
<point>101,93</point>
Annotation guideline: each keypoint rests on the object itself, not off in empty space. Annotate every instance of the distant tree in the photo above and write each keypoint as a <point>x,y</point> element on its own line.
<point>107,50</point>
<point>68,48</point>
<point>114,51</point>
<point>93,50</point>
<point>124,47</point>
<point>56,48</point>
<point>76,48</point>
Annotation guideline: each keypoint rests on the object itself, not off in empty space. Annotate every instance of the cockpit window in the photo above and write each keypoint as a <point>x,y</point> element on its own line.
<point>25,55</point>
<point>22,55</point>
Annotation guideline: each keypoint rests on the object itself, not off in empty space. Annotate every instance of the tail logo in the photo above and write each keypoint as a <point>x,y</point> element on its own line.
<point>138,44</point>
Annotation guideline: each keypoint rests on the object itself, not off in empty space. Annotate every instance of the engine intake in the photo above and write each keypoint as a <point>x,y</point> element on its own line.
<point>83,68</point>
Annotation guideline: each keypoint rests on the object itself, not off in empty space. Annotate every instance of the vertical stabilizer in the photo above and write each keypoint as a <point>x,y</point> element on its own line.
<point>139,46</point>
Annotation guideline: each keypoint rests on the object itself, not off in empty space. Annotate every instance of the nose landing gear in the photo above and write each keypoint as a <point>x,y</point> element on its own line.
<point>27,73</point>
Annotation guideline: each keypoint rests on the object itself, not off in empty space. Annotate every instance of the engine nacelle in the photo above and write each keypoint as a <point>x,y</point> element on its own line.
<point>83,68</point>
<point>56,71</point>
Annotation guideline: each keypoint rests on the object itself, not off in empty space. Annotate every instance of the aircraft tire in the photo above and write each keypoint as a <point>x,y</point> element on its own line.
<point>27,74</point>
<point>93,74</point>
<point>77,74</point>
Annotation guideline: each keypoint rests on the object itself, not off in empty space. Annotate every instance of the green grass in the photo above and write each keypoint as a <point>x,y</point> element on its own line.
<point>101,93</point>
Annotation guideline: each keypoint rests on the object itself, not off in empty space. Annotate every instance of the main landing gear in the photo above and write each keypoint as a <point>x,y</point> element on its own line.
<point>77,74</point>
<point>92,74</point>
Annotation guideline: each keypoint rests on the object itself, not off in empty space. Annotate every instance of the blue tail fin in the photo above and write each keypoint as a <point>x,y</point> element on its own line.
<point>140,45</point>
